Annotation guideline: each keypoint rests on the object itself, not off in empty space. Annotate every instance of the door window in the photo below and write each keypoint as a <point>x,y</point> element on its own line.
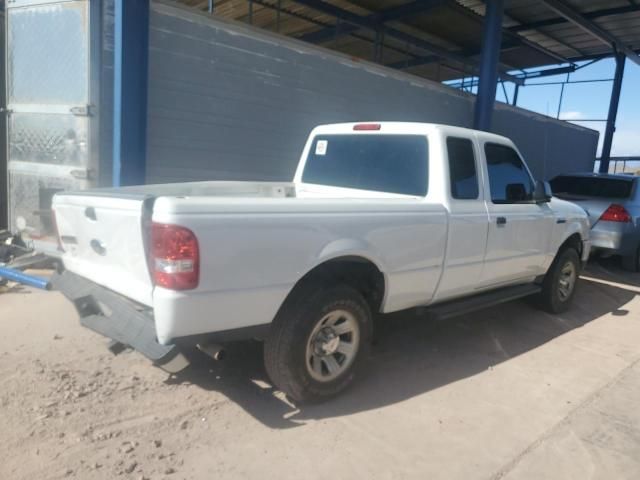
<point>509,179</point>
<point>462,168</point>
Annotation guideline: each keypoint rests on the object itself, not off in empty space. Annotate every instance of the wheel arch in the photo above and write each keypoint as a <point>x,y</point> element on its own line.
<point>356,270</point>
<point>573,240</point>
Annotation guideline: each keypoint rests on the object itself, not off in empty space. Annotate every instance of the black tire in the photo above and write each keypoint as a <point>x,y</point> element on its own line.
<point>554,298</point>
<point>286,347</point>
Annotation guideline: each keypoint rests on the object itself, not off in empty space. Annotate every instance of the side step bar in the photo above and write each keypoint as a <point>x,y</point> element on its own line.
<point>454,308</point>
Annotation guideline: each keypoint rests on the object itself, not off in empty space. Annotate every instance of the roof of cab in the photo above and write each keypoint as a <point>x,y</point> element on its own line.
<point>406,127</point>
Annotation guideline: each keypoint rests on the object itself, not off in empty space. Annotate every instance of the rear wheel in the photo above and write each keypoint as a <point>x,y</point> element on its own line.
<point>559,285</point>
<point>318,341</point>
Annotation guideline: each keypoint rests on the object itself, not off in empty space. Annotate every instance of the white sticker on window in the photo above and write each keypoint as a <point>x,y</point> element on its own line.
<point>321,147</point>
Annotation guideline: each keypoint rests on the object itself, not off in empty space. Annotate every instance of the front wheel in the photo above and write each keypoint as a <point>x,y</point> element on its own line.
<point>559,285</point>
<point>318,341</point>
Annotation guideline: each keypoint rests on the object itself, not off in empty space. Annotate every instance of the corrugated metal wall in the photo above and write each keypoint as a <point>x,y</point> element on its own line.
<point>3,129</point>
<point>230,102</point>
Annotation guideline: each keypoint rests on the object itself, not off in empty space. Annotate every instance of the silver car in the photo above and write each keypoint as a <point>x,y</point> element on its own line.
<point>613,205</point>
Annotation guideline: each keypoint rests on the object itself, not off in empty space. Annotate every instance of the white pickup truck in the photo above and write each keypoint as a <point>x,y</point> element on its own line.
<point>380,217</point>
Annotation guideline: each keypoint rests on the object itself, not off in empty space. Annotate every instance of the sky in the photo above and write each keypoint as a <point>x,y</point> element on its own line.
<point>589,101</point>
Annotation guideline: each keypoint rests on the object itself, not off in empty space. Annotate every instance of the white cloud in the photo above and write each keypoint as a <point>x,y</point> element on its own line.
<point>572,115</point>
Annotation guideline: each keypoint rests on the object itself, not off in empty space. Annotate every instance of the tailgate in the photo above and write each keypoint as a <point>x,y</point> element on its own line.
<point>103,236</point>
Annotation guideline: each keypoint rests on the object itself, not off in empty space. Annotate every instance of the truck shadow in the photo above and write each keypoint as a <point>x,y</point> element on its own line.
<point>412,354</point>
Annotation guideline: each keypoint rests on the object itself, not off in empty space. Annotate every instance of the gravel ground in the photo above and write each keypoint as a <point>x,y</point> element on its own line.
<point>508,392</point>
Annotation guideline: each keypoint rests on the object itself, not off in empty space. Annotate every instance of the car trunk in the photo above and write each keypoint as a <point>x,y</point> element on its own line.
<point>593,193</point>
<point>104,233</point>
<point>594,207</point>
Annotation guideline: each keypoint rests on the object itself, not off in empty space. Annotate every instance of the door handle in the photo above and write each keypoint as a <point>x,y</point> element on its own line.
<point>501,220</point>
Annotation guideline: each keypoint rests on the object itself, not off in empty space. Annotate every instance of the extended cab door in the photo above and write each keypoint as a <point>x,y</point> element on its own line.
<point>519,230</point>
<point>468,219</point>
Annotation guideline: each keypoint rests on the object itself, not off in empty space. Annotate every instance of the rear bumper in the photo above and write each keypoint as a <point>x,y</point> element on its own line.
<point>118,318</point>
<point>114,317</point>
<point>619,239</point>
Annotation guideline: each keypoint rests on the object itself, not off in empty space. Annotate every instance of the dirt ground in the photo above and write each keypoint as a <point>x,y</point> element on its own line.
<point>509,392</point>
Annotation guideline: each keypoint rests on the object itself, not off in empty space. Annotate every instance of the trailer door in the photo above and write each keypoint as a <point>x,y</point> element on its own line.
<point>48,99</point>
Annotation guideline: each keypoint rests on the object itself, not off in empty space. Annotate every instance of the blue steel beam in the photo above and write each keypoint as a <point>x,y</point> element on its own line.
<point>512,37</point>
<point>491,41</point>
<point>418,61</point>
<point>511,40</point>
<point>378,18</point>
<point>550,72</point>
<point>613,113</point>
<point>591,28</point>
<point>321,23</point>
<point>328,33</point>
<point>131,31</point>
<point>408,9</point>
<point>606,12</point>
<point>365,22</point>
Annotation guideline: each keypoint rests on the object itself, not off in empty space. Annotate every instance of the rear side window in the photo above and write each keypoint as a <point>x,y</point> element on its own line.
<point>591,187</point>
<point>462,168</point>
<point>509,179</point>
<point>382,163</point>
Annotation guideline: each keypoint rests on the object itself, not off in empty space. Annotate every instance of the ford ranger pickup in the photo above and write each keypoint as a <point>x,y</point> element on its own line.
<point>379,217</point>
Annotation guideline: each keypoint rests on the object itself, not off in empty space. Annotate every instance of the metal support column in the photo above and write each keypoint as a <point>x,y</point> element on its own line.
<point>491,42</point>
<point>516,90</point>
<point>613,113</point>
<point>564,84</point>
<point>131,47</point>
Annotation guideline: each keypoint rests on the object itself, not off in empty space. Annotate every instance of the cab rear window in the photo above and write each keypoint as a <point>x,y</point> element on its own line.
<point>382,163</point>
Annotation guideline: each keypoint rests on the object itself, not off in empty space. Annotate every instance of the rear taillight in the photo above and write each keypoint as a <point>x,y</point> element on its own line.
<point>175,258</point>
<point>616,213</point>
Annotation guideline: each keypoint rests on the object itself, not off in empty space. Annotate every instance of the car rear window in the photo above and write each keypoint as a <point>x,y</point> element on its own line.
<point>592,187</point>
<point>382,163</point>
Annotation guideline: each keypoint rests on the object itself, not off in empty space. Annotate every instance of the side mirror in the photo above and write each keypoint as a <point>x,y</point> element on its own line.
<point>542,192</point>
